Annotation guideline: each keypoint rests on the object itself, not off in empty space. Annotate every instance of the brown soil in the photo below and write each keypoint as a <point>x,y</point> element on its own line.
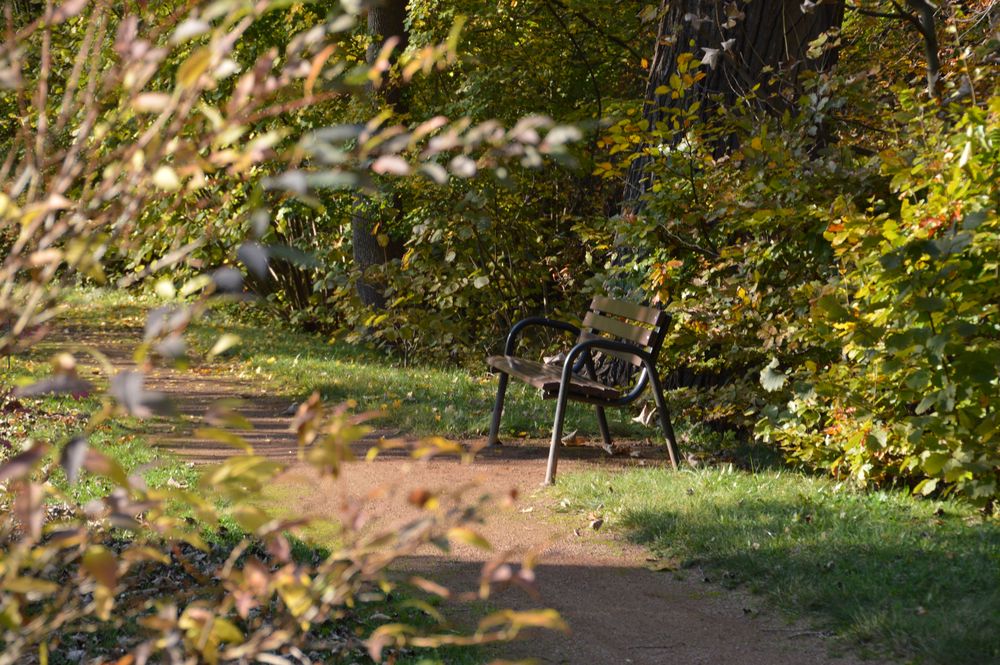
<point>618,609</point>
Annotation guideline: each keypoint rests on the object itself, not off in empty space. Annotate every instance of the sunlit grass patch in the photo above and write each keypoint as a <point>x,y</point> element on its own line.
<point>55,419</point>
<point>914,578</point>
<point>440,399</point>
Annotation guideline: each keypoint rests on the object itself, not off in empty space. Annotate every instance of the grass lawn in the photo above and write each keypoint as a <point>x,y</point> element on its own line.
<point>55,419</point>
<point>415,399</point>
<point>893,574</point>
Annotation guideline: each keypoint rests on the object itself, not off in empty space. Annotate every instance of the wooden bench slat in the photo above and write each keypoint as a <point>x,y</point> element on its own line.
<point>626,331</point>
<point>548,377</point>
<point>648,315</point>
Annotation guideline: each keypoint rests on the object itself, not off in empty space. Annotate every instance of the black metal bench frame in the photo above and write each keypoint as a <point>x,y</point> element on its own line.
<point>637,334</point>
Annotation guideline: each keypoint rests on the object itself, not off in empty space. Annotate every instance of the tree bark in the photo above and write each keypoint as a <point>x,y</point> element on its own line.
<point>770,40</point>
<point>928,31</point>
<point>386,19</point>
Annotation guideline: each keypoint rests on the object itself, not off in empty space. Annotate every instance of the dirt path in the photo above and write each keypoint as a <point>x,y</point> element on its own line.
<point>618,609</point>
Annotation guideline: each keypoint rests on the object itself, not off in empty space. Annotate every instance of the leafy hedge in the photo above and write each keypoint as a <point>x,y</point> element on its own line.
<point>833,294</point>
<point>912,316</point>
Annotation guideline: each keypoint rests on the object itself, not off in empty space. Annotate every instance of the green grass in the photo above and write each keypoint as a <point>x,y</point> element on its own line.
<point>56,419</point>
<point>415,399</point>
<point>889,573</point>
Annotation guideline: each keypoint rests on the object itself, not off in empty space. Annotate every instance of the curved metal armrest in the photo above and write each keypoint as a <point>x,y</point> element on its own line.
<point>535,321</point>
<point>572,365</point>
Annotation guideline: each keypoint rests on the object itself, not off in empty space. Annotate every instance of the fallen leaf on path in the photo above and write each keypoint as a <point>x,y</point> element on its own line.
<point>573,439</point>
<point>419,497</point>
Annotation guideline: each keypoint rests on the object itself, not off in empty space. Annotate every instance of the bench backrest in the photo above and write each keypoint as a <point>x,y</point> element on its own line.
<point>617,319</point>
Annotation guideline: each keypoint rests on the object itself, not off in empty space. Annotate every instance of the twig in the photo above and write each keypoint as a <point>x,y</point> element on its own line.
<point>590,22</point>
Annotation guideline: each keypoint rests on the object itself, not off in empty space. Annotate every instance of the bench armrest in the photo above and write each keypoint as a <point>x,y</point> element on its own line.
<point>535,321</point>
<point>584,348</point>
<point>610,345</point>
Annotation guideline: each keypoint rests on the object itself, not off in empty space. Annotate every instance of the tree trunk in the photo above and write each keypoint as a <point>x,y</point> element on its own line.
<point>750,43</point>
<point>386,20</point>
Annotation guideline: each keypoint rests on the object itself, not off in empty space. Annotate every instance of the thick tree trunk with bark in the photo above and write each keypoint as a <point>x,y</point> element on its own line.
<point>748,42</point>
<point>740,45</point>
<point>386,19</point>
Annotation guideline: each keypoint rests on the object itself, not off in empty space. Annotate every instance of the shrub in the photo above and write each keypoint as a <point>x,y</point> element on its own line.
<point>912,318</point>
<point>833,288</point>
<point>125,125</point>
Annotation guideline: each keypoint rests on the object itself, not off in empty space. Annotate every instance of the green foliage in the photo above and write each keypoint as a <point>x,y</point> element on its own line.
<point>472,265</point>
<point>732,238</point>
<point>913,312</point>
<point>467,256</point>
<point>831,267</point>
<point>891,574</point>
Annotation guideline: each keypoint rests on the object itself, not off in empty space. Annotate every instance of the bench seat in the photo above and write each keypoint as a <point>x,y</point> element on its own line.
<point>547,377</point>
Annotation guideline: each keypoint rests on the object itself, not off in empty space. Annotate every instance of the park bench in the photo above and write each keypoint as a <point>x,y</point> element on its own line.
<point>617,329</point>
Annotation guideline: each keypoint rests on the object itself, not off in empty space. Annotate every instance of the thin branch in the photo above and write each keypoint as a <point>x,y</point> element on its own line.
<point>599,30</point>
<point>871,12</point>
<point>899,14</point>
<point>583,56</point>
<point>908,16</point>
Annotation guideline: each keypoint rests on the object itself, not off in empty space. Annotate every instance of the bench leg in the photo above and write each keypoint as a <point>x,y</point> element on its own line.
<point>557,431</point>
<point>668,430</point>
<point>602,421</point>
<point>494,436</point>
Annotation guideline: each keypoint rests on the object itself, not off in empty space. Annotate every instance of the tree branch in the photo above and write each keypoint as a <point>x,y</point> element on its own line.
<point>598,29</point>
<point>890,15</point>
<point>583,56</point>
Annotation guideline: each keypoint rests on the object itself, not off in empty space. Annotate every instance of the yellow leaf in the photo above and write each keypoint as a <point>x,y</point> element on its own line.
<point>145,553</point>
<point>469,537</point>
<point>29,585</point>
<point>249,517</point>
<point>222,436</point>
<point>165,288</point>
<point>101,564</point>
<point>166,179</point>
<point>196,65</point>
<point>756,143</point>
<point>436,445</point>
<point>223,344</point>
<point>517,620</point>
<point>226,631</point>
<point>151,102</point>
